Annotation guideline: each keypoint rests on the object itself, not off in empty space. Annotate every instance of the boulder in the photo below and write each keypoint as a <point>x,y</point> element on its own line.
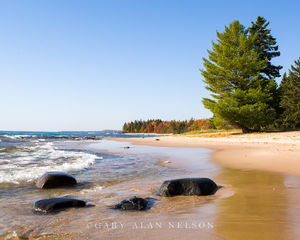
<point>56,204</point>
<point>92,138</point>
<point>188,187</point>
<point>56,180</point>
<point>133,203</point>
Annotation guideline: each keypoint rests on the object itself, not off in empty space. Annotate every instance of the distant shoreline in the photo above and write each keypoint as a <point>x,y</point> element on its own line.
<point>276,152</point>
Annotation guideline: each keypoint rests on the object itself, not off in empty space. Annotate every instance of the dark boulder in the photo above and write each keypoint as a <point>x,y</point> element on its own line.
<point>133,203</point>
<point>92,138</point>
<point>188,187</point>
<point>56,204</point>
<point>56,180</point>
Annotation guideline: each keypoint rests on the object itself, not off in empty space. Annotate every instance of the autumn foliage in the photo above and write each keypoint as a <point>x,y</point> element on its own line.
<point>159,126</point>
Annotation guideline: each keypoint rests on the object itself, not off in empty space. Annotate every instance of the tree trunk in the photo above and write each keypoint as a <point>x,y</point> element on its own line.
<point>246,130</point>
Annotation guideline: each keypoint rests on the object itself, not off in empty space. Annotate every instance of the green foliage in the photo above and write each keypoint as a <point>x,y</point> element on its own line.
<point>278,123</point>
<point>220,123</point>
<point>290,100</point>
<point>265,43</point>
<point>233,73</point>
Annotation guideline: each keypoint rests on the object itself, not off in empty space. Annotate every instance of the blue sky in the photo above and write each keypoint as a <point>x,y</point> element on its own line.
<point>92,65</point>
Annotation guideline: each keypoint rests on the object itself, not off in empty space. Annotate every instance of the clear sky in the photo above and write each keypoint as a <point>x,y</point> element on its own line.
<point>92,65</point>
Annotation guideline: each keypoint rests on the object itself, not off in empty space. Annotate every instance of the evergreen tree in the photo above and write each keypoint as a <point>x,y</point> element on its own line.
<point>280,110</point>
<point>265,44</point>
<point>290,101</point>
<point>283,80</point>
<point>233,75</point>
<point>181,127</point>
<point>125,128</point>
<point>173,126</point>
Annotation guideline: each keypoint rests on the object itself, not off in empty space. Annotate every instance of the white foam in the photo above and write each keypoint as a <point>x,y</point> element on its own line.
<point>36,160</point>
<point>93,189</point>
<point>15,136</point>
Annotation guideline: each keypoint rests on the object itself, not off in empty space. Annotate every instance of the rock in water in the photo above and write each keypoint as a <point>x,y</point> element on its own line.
<point>187,187</point>
<point>55,204</point>
<point>56,180</point>
<point>133,203</point>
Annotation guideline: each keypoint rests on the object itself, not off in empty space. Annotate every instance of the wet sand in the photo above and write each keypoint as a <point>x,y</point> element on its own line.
<point>276,152</point>
<point>252,204</point>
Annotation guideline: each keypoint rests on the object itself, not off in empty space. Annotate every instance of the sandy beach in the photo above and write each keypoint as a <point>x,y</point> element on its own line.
<point>276,152</point>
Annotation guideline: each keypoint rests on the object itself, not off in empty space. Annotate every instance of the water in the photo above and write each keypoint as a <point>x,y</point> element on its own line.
<point>25,156</point>
<point>70,134</point>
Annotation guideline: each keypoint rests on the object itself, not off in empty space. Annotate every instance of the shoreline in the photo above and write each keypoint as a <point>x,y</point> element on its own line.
<point>275,152</point>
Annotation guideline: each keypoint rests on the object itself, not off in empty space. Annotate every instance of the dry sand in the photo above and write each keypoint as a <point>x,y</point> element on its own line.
<point>277,152</point>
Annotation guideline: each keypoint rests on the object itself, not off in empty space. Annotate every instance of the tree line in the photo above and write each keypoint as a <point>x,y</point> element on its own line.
<point>159,126</point>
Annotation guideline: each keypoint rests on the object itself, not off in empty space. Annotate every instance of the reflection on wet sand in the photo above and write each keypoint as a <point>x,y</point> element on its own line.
<point>258,209</point>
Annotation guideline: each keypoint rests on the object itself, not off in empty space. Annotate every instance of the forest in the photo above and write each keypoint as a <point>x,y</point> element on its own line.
<point>159,126</point>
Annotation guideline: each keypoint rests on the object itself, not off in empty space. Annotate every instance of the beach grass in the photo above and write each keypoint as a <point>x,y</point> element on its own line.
<point>213,132</point>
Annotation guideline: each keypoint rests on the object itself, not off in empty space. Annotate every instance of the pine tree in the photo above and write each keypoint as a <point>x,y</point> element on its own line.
<point>266,45</point>
<point>290,101</point>
<point>233,75</point>
<point>279,94</point>
<point>283,80</point>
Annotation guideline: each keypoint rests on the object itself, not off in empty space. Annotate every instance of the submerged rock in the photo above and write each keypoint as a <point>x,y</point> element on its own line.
<point>187,187</point>
<point>56,180</point>
<point>55,204</point>
<point>133,203</point>
<point>92,138</point>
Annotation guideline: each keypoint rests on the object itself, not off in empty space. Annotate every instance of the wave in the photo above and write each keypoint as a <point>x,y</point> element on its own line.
<point>15,136</point>
<point>29,163</point>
